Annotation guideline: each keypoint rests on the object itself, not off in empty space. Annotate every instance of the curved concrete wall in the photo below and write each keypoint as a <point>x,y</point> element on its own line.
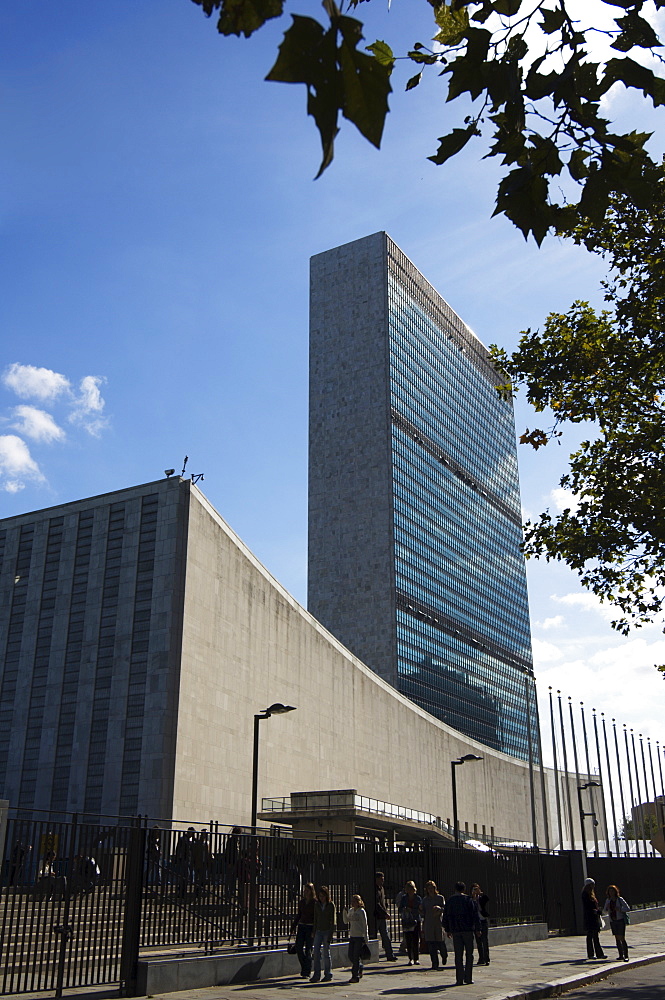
<point>246,644</point>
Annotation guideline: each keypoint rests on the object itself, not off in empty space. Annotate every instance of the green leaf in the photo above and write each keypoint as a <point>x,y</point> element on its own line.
<point>545,157</point>
<point>635,31</point>
<point>242,17</point>
<point>452,23</point>
<point>382,53</point>
<point>365,83</point>
<point>507,7</point>
<point>522,197</point>
<point>552,20</point>
<point>451,144</point>
<point>577,165</point>
<point>632,74</point>
<point>308,55</point>
<point>414,81</point>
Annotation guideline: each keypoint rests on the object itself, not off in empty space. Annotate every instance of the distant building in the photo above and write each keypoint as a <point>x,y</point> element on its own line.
<point>138,639</point>
<point>415,535</point>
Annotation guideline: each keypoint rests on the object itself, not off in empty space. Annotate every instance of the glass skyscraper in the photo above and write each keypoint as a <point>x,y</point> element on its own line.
<point>415,558</point>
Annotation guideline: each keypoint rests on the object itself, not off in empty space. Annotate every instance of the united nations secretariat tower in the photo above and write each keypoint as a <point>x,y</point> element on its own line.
<point>139,636</point>
<point>414,505</point>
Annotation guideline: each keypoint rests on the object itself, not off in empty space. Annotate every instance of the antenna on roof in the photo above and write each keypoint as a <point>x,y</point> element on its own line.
<point>195,476</point>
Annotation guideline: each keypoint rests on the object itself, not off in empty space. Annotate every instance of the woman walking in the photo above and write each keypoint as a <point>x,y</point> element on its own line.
<point>617,908</point>
<point>303,925</point>
<point>356,918</point>
<point>325,917</point>
<point>432,910</point>
<point>409,911</point>
<point>591,912</point>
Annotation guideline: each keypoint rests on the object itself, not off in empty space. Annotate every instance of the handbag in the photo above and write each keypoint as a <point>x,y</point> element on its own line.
<point>291,948</point>
<point>365,951</point>
<point>408,920</point>
<point>601,923</point>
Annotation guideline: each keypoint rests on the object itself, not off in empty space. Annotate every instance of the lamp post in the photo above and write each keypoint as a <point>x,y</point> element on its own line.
<point>276,709</point>
<point>580,789</point>
<point>453,765</point>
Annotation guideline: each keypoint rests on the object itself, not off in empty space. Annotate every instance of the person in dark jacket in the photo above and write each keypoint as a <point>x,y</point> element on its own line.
<point>303,925</point>
<point>461,919</point>
<point>325,921</point>
<point>409,911</point>
<point>591,914</point>
<point>381,916</point>
<point>482,939</point>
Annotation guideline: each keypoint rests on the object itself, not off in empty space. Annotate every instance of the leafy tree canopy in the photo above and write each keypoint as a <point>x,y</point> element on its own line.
<point>608,368</point>
<point>525,67</point>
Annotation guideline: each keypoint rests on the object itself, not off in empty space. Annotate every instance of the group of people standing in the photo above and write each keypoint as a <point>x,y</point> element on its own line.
<point>431,918</point>
<point>617,910</point>
<point>426,921</point>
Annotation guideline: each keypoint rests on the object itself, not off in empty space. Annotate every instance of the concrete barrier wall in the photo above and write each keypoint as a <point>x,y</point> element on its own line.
<point>168,975</point>
<point>248,643</point>
<point>172,974</point>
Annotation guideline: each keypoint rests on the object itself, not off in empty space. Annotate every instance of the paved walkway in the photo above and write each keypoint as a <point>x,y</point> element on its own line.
<point>526,971</point>
<point>518,971</point>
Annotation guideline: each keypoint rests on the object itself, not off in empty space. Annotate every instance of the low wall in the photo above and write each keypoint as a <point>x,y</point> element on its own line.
<point>168,975</point>
<point>650,913</point>
<point>515,933</point>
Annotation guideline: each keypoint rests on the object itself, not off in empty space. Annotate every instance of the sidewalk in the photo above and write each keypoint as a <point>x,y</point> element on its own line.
<point>518,971</point>
<point>526,971</point>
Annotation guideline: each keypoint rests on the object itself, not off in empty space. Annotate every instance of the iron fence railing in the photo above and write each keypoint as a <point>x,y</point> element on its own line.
<point>80,901</point>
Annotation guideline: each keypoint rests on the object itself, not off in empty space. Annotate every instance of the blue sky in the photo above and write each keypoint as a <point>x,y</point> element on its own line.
<point>159,211</point>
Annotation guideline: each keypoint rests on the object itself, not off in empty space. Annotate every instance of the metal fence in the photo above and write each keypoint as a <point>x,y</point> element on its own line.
<point>80,902</point>
<point>61,912</point>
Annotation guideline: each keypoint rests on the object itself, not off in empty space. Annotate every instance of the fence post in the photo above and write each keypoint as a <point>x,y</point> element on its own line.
<point>577,876</point>
<point>131,931</point>
<point>64,930</point>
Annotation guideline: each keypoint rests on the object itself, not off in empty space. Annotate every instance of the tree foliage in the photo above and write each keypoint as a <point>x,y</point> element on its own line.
<point>608,369</point>
<point>525,67</point>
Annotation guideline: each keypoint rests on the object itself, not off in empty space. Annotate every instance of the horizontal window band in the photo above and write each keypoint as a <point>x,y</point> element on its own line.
<point>436,452</point>
<point>417,609</point>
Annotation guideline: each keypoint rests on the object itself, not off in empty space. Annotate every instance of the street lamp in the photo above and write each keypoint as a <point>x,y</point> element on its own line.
<point>276,709</point>
<point>453,765</point>
<point>580,789</point>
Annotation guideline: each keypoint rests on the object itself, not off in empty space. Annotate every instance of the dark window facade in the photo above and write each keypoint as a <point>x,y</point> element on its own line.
<point>462,616</point>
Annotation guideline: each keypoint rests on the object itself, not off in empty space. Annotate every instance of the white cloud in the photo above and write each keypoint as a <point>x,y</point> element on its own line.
<point>36,424</point>
<point>556,622</point>
<point>564,500</point>
<point>16,464</point>
<point>544,652</point>
<point>587,601</point>
<point>29,382</point>
<point>89,405</point>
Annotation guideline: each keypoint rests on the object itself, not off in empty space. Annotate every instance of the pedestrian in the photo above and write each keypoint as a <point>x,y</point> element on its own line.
<point>409,911</point>
<point>325,918</point>
<point>356,917</point>
<point>201,861</point>
<point>617,909</point>
<point>481,899</point>
<point>230,857</point>
<point>381,916</point>
<point>592,919</point>
<point>183,859</point>
<point>153,856</point>
<point>432,910</point>
<point>303,925</point>
<point>461,919</point>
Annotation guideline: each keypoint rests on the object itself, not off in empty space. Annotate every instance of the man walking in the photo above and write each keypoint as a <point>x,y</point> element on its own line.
<point>461,920</point>
<point>381,916</point>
